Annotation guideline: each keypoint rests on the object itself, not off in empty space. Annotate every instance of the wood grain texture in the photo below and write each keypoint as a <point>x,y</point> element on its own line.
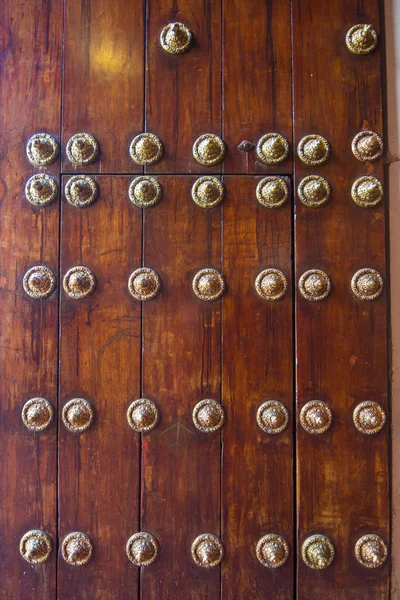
<point>343,481</point>
<point>100,361</point>
<point>257,488</point>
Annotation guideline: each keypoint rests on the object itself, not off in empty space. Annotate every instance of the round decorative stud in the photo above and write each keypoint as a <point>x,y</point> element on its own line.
<point>272,192</point>
<point>207,550</point>
<point>37,414</point>
<point>42,149</point>
<point>81,191</point>
<point>142,549</point>
<point>35,546</point>
<point>314,191</point>
<point>209,149</point>
<point>39,282</point>
<point>78,415</point>
<point>41,189</point>
<point>361,39</point>
<point>144,284</point>
<point>82,149</point>
<point>272,550</point>
<point>367,191</point>
<point>313,150</point>
<point>175,38</point>
<point>367,284</point>
<point>145,191</point>
<point>79,282</point>
<point>146,149</point>
<point>369,417</point>
<point>316,417</point>
<point>272,149</point>
<point>314,285</point>
<point>208,192</point>
<point>271,284</point>
<point>208,416</point>
<point>371,551</point>
<point>367,146</point>
<point>77,549</point>
<point>272,417</point>
<point>317,552</point>
<point>143,415</point>
<point>208,284</point>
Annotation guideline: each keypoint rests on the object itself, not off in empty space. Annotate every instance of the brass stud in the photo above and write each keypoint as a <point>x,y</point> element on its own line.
<point>361,39</point>
<point>143,415</point>
<point>369,417</point>
<point>39,282</point>
<point>272,550</point>
<point>77,549</point>
<point>209,149</point>
<point>314,191</point>
<point>35,546</point>
<point>367,191</point>
<point>144,284</point>
<point>142,549</point>
<point>37,414</point>
<point>316,417</point>
<point>208,192</point>
<point>207,550</point>
<point>271,284</point>
<point>272,192</point>
<point>175,38</point>
<point>208,285</point>
<point>367,146</point>
<point>272,417</point>
<point>145,191</point>
<point>82,149</point>
<point>317,552</point>
<point>42,149</point>
<point>367,284</point>
<point>81,191</point>
<point>79,282</point>
<point>314,285</point>
<point>371,551</point>
<point>272,149</point>
<point>208,416</point>
<point>313,150</point>
<point>41,189</point>
<point>146,149</point>
<point>78,415</point>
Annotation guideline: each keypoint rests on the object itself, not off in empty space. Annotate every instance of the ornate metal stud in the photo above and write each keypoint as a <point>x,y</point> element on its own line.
<point>42,149</point>
<point>272,417</point>
<point>271,284</point>
<point>208,416</point>
<point>317,552</point>
<point>142,549</point>
<point>82,149</point>
<point>81,191</point>
<point>79,282</point>
<point>208,192</point>
<point>369,417</point>
<point>144,284</point>
<point>41,189</point>
<point>272,550</point>
<point>314,191</point>
<point>208,284</point>
<point>371,551</point>
<point>367,146</point>
<point>78,415</point>
<point>175,38</point>
<point>367,191</point>
<point>145,191</point>
<point>35,546</point>
<point>39,282</point>
<point>361,39</point>
<point>37,414</point>
<point>316,417</point>
<point>272,192</point>
<point>77,549</point>
<point>313,150</point>
<point>314,285</point>
<point>209,149</point>
<point>207,550</point>
<point>143,415</point>
<point>272,149</point>
<point>367,284</point>
<point>146,149</point>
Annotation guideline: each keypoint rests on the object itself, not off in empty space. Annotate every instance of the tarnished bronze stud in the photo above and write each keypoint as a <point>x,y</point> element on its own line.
<point>41,189</point>
<point>78,415</point>
<point>369,417</point>
<point>81,191</point>
<point>208,192</point>
<point>39,282</point>
<point>272,417</point>
<point>142,549</point>
<point>35,546</point>
<point>371,551</point>
<point>144,284</point>
<point>207,550</point>
<point>37,414</point>
<point>272,149</point>
<point>314,191</point>
<point>367,284</point>
<point>208,284</point>
<point>175,38</point>
<point>77,549</point>
<point>317,552</point>
<point>367,191</point>
<point>209,149</point>
<point>143,415</point>
<point>367,146</point>
<point>146,149</point>
<point>272,192</point>
<point>313,150</point>
<point>272,550</point>
<point>145,191</point>
<point>208,416</point>
<point>316,417</point>
<point>271,284</point>
<point>82,149</point>
<point>314,285</point>
<point>79,282</point>
<point>361,39</point>
<point>42,149</point>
